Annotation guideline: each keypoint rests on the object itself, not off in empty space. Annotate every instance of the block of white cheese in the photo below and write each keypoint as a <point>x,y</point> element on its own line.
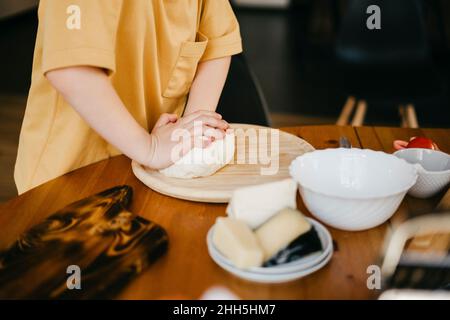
<point>256,204</point>
<point>202,162</point>
<point>283,228</point>
<point>236,241</point>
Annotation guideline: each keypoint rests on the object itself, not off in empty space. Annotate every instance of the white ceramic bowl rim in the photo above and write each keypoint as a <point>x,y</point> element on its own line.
<point>426,150</point>
<point>404,189</point>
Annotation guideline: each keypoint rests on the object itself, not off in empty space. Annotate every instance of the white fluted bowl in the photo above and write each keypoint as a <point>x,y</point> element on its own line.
<point>352,189</point>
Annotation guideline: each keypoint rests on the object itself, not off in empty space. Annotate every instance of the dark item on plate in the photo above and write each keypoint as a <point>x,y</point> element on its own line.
<point>109,244</point>
<point>303,245</point>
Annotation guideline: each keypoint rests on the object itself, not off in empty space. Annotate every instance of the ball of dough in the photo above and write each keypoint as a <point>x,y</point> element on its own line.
<point>202,162</point>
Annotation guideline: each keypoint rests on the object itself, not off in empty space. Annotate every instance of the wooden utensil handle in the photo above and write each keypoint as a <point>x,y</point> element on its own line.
<point>444,204</point>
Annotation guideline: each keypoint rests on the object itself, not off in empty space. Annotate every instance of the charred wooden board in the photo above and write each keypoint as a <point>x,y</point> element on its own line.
<point>98,234</point>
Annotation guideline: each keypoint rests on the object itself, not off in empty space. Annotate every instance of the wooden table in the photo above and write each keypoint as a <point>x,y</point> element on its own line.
<point>187,270</point>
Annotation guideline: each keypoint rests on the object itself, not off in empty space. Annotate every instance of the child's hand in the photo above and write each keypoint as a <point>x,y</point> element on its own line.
<point>400,144</point>
<point>169,132</point>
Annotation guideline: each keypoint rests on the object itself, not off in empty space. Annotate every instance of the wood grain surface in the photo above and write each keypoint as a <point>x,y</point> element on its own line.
<point>187,270</point>
<point>244,170</point>
<point>97,234</point>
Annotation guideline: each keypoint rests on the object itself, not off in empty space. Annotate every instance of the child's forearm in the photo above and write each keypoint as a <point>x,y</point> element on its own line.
<point>208,84</point>
<point>89,91</point>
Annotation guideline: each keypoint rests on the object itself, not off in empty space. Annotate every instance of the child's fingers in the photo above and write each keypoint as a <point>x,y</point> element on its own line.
<point>165,118</point>
<point>201,142</point>
<point>217,134</point>
<point>196,142</point>
<point>209,121</point>
<point>193,116</point>
<point>400,144</point>
<point>200,139</point>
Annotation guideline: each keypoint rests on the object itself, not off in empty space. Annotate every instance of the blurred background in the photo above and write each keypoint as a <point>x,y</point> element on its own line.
<point>303,61</point>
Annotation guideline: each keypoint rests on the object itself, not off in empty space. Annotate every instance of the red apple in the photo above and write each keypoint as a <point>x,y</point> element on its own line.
<point>421,142</point>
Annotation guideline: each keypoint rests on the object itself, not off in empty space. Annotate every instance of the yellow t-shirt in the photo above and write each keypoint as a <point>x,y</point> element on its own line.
<point>150,48</point>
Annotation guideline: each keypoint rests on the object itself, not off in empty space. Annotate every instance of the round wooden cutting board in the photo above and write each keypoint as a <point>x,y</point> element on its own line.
<point>219,187</point>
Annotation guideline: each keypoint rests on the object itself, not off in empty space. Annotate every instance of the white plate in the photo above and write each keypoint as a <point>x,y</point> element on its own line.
<point>293,266</point>
<point>281,273</point>
<point>272,278</point>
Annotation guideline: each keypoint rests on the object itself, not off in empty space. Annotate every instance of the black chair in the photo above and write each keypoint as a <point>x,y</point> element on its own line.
<point>242,100</point>
<point>392,64</point>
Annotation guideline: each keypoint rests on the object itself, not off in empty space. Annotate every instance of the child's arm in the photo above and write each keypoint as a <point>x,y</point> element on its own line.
<point>89,91</point>
<point>207,85</point>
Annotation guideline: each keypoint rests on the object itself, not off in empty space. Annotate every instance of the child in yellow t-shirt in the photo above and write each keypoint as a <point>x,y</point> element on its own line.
<point>113,76</point>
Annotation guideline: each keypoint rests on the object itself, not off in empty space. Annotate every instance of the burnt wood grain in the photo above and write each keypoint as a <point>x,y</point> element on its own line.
<point>98,234</point>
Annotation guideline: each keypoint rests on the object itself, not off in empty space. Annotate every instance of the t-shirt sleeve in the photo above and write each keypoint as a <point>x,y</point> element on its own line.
<point>219,24</point>
<point>79,33</point>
